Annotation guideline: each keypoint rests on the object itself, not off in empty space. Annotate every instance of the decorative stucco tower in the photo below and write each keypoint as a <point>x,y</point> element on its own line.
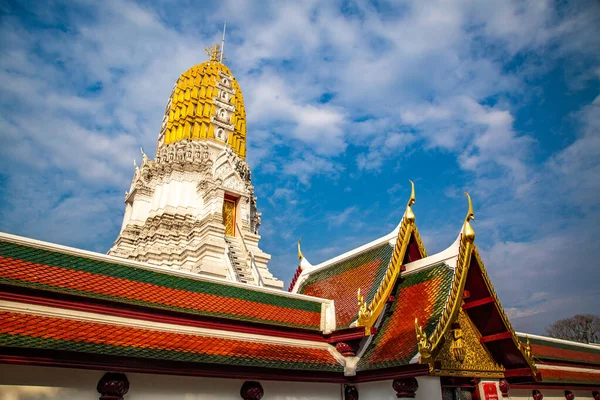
<point>193,208</point>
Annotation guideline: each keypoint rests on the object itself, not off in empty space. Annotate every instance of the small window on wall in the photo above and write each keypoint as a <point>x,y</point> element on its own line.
<point>220,134</point>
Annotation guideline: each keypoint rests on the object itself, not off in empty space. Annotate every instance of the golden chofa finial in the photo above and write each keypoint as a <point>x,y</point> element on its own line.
<point>468,231</point>
<point>214,53</point>
<point>409,214</point>
<point>300,255</point>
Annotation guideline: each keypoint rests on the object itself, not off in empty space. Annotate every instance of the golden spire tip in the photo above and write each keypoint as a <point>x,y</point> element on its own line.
<point>412,199</point>
<point>468,231</point>
<point>300,255</point>
<point>409,214</point>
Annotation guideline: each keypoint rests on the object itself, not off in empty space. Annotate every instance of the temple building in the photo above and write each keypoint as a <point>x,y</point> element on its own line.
<point>183,306</point>
<point>193,207</point>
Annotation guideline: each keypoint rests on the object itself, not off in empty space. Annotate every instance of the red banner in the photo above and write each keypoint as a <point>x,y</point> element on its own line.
<point>489,391</point>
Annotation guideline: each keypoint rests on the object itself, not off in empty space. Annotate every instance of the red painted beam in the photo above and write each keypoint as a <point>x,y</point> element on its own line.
<point>495,337</point>
<point>511,373</point>
<point>478,303</point>
<point>346,335</point>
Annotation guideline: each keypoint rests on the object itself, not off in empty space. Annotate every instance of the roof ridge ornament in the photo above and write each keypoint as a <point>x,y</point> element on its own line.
<point>409,214</point>
<point>468,231</point>
<point>300,255</point>
<point>369,313</point>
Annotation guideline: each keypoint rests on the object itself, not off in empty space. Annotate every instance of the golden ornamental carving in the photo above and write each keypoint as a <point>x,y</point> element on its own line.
<point>439,339</point>
<point>229,217</point>
<point>364,313</point>
<point>462,354</point>
<point>527,348</point>
<point>453,304</point>
<point>424,345</point>
<point>457,348</point>
<point>214,52</point>
<point>407,229</point>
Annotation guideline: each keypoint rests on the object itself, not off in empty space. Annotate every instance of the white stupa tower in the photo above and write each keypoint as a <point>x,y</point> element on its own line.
<point>193,208</point>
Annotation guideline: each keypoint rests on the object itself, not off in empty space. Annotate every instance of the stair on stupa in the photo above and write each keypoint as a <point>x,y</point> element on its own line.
<point>239,259</point>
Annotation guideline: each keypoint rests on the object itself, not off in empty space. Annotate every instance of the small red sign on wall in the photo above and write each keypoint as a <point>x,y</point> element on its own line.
<point>489,391</point>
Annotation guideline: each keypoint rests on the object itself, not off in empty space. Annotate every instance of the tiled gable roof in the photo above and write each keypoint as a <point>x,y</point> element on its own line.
<point>20,330</point>
<point>550,350</point>
<point>565,375</point>
<point>341,281</point>
<point>422,294</point>
<point>36,268</point>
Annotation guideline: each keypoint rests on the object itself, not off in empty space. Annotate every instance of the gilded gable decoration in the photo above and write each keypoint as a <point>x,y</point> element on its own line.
<point>368,314</point>
<point>454,346</point>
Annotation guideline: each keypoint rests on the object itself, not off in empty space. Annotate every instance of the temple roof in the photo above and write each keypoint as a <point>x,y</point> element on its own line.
<point>47,267</point>
<point>386,307</point>
<point>47,329</point>
<point>420,294</point>
<point>367,273</point>
<point>561,361</point>
<point>340,280</point>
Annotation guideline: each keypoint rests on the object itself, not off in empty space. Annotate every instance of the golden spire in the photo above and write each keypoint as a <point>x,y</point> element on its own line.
<point>409,215</point>
<point>300,255</point>
<point>468,231</point>
<point>214,53</point>
<point>200,106</point>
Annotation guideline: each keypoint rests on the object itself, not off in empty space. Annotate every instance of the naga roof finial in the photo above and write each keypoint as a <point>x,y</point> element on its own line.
<point>468,231</point>
<point>409,214</point>
<point>300,255</point>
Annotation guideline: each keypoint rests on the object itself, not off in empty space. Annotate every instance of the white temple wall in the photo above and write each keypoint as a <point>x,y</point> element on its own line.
<point>127,217</point>
<point>176,194</point>
<point>141,209</point>
<point>45,383</point>
<point>429,389</point>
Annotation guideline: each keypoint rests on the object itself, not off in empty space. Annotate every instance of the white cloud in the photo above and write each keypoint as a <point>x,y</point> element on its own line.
<point>341,218</point>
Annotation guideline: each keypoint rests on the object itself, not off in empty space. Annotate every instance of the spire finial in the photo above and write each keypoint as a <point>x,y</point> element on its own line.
<point>409,215</point>
<point>223,42</point>
<point>213,52</point>
<point>468,231</point>
<point>300,255</point>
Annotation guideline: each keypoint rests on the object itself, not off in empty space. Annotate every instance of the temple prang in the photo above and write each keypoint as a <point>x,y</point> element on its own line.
<point>193,207</point>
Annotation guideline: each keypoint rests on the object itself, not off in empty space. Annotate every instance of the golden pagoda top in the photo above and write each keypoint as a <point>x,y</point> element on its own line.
<point>206,104</point>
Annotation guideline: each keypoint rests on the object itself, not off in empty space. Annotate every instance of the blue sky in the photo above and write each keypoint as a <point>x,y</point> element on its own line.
<point>345,102</point>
